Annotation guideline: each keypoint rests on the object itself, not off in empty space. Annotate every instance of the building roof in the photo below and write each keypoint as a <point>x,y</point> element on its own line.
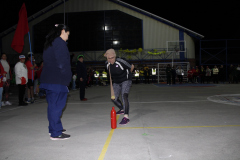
<point>153,16</point>
<point>190,32</point>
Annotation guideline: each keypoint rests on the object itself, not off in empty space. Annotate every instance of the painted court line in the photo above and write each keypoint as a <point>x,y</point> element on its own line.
<point>178,127</point>
<point>143,102</point>
<point>105,147</point>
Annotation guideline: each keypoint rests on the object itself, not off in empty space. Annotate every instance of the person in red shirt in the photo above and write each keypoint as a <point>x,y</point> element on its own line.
<point>190,75</point>
<point>38,74</point>
<point>196,75</point>
<point>30,68</point>
<point>35,82</point>
<point>193,74</point>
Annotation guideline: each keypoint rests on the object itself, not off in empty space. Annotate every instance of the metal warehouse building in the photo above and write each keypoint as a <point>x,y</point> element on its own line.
<point>97,25</point>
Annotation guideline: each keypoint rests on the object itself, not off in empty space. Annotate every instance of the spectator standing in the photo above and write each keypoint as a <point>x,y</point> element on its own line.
<point>168,74</point>
<point>35,82</point>
<point>30,67</point>
<point>96,76</point>
<point>194,75</point>
<point>173,72</point>
<point>215,74</point>
<point>21,75</point>
<point>197,72</point>
<point>55,77</point>
<point>146,74</point>
<point>154,74</point>
<point>141,75</point>
<point>202,74</point>
<point>208,74</point>
<point>104,77</point>
<point>136,74</point>
<point>74,81</point>
<point>2,73</point>
<point>6,80</point>
<point>89,77</point>
<point>82,77</point>
<point>91,74</point>
<point>190,76</point>
<point>180,73</point>
<point>40,92</point>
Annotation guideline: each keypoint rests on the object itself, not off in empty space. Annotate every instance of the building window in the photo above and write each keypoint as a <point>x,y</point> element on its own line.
<point>94,31</point>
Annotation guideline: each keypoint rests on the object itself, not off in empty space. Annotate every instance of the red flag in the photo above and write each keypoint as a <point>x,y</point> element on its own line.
<point>22,29</point>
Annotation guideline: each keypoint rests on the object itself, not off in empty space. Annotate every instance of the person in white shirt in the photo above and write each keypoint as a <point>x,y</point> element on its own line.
<point>6,80</point>
<point>180,73</point>
<point>21,74</point>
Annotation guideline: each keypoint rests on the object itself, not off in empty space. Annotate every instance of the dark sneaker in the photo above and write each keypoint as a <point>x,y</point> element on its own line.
<point>124,121</point>
<point>84,99</point>
<point>120,112</point>
<point>61,137</point>
<point>63,131</point>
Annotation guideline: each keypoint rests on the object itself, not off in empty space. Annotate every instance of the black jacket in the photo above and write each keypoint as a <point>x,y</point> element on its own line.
<point>120,70</point>
<point>81,71</point>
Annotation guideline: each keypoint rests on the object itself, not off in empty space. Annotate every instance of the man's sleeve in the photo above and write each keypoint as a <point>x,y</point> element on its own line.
<point>18,71</point>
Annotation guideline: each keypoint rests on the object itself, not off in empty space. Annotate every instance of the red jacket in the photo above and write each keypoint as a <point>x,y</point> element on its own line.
<point>190,74</point>
<point>1,75</point>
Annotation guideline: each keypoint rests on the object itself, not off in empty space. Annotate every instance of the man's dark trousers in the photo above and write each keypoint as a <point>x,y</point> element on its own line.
<point>82,85</point>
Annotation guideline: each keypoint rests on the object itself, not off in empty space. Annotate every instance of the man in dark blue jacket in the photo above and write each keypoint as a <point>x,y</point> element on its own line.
<point>82,77</point>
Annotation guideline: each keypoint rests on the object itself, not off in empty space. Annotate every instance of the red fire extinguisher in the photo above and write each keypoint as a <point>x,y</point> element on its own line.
<point>113,119</point>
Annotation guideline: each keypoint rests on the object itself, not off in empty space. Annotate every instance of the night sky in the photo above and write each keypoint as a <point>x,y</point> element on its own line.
<point>212,20</point>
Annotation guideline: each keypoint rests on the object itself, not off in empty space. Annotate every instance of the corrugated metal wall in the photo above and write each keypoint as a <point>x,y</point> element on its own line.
<point>155,33</point>
<point>190,46</point>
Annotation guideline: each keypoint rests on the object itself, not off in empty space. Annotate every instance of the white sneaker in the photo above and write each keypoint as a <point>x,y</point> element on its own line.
<point>3,104</point>
<point>8,103</point>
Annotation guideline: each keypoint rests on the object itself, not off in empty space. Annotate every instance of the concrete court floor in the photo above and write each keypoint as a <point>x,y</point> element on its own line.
<point>166,123</point>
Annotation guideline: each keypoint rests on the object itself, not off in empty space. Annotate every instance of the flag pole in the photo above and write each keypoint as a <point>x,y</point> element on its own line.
<point>30,51</point>
<point>64,12</point>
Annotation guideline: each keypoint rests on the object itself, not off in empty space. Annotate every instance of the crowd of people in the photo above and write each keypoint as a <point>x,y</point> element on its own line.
<point>147,75</point>
<point>16,76</point>
<point>100,77</point>
<point>217,74</point>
